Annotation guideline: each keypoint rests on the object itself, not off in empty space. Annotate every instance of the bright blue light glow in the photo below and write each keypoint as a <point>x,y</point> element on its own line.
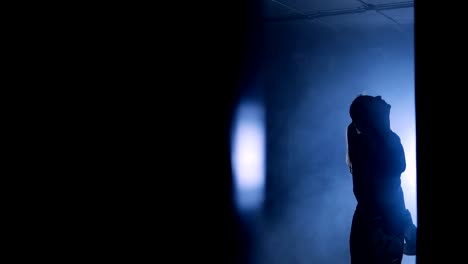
<point>408,182</point>
<point>248,155</point>
<point>408,179</point>
<point>405,126</point>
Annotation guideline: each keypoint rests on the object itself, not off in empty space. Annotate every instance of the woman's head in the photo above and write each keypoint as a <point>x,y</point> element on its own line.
<point>370,113</point>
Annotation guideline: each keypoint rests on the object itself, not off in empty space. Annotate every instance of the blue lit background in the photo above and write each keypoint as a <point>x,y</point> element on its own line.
<point>289,148</point>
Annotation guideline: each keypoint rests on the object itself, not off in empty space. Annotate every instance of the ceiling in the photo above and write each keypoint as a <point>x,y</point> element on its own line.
<point>341,14</point>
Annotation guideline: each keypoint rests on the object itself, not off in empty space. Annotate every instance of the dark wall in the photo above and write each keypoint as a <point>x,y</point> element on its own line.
<point>131,130</point>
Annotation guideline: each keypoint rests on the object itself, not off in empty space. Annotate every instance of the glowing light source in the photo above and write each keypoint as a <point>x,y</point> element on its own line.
<point>248,155</point>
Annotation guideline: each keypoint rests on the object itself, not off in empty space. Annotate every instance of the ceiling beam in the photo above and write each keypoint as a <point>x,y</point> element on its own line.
<point>336,12</point>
